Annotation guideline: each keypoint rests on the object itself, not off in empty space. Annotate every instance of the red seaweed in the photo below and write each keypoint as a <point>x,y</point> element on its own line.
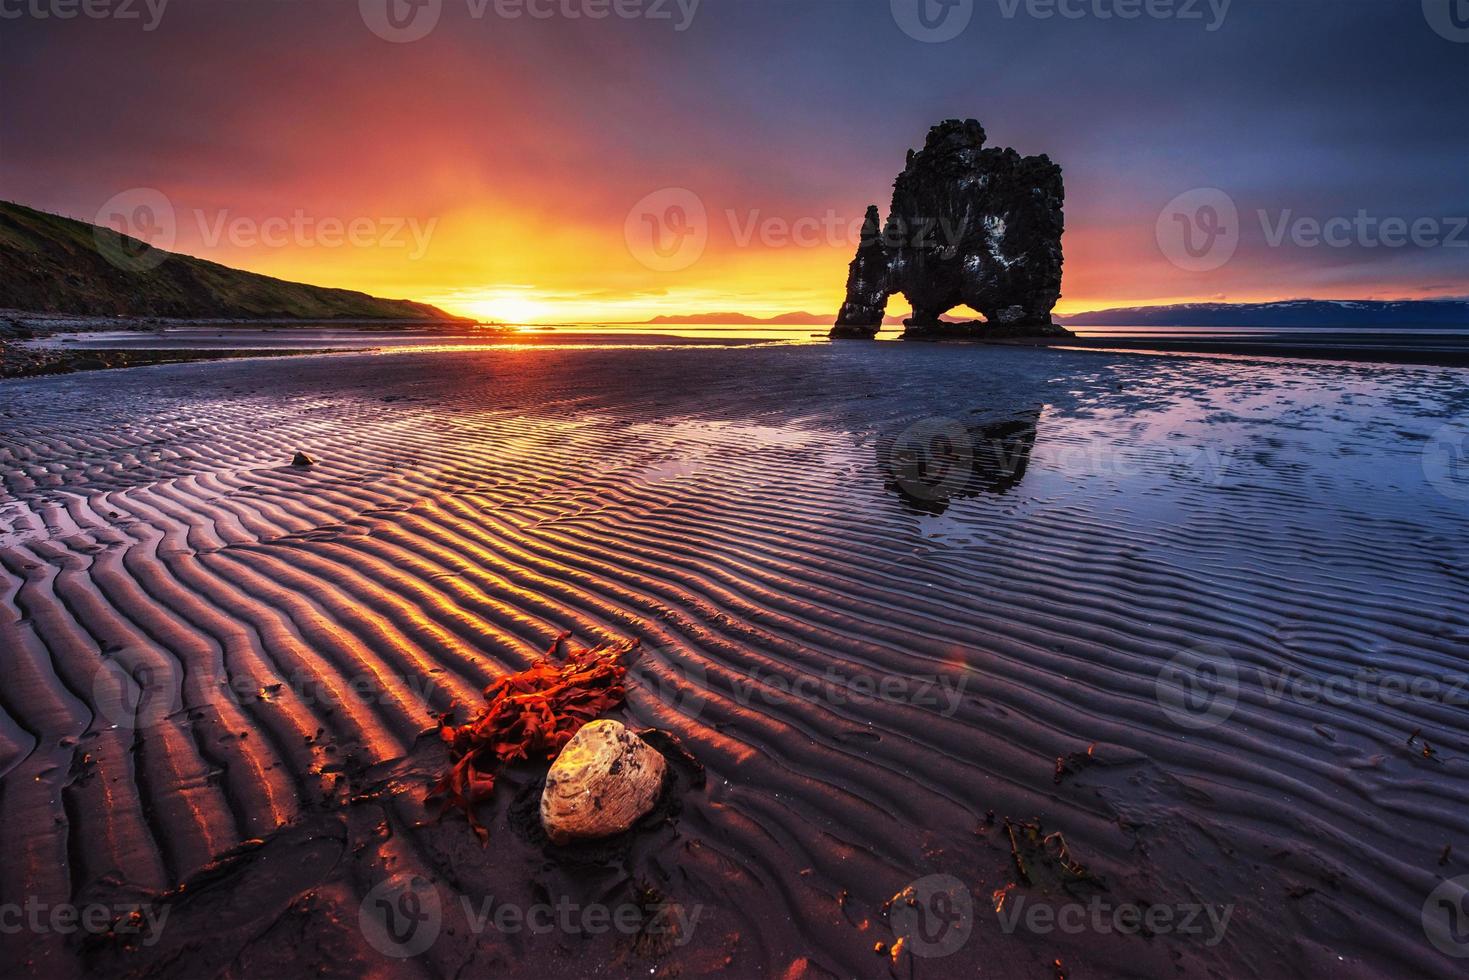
<point>530,715</point>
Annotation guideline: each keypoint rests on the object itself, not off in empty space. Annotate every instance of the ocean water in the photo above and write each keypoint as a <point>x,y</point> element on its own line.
<point>1255,339</point>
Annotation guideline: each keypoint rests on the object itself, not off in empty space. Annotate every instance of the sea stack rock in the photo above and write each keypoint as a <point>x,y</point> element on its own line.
<point>603,781</point>
<point>968,226</point>
<point>867,283</point>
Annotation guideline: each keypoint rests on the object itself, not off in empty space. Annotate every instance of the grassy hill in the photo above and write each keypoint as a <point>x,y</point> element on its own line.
<point>51,264</point>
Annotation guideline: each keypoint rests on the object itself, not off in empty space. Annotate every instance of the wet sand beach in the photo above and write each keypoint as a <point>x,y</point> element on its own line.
<point>1203,617</point>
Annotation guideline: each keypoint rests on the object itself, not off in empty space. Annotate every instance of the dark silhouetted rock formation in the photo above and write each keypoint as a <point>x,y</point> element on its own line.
<point>968,226</point>
<point>867,283</point>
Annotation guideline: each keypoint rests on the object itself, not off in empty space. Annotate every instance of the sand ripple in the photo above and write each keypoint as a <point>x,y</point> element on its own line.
<point>206,646</point>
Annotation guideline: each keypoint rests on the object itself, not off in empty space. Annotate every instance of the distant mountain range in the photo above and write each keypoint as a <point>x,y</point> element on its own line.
<point>740,319</point>
<point>801,319</point>
<point>53,264</point>
<point>1289,313</point>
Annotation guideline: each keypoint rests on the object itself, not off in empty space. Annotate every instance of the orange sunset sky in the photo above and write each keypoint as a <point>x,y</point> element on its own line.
<point>519,147</point>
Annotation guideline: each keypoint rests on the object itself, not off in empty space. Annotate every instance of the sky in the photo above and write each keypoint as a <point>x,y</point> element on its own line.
<point>577,160</point>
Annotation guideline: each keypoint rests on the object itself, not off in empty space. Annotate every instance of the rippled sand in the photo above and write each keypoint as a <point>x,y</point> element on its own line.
<point>868,652</point>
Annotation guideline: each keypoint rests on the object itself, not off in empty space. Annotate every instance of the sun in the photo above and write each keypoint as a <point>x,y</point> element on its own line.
<point>512,307</point>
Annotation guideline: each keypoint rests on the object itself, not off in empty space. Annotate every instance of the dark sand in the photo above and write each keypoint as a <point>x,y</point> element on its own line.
<point>294,629</point>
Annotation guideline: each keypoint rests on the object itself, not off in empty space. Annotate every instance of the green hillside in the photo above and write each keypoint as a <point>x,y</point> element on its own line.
<point>51,264</point>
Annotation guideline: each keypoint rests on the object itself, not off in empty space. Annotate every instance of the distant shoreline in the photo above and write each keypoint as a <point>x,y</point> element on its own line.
<point>1382,314</point>
<point>45,353</point>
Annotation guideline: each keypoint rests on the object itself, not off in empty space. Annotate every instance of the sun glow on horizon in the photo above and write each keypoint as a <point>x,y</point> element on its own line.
<point>584,274</point>
<point>512,306</point>
<point>577,268</point>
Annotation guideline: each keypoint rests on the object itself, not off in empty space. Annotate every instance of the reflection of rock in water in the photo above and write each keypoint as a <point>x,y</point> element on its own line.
<point>938,460</point>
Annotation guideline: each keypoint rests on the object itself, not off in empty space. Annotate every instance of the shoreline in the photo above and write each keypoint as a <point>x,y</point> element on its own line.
<point>34,344</point>
<point>18,361</point>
